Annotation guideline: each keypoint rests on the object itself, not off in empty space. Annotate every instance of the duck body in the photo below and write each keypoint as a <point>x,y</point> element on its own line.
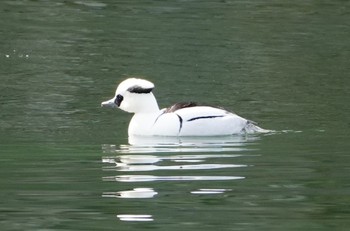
<point>187,121</point>
<point>181,119</point>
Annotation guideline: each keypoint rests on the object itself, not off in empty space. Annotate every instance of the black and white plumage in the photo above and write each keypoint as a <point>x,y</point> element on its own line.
<point>182,119</point>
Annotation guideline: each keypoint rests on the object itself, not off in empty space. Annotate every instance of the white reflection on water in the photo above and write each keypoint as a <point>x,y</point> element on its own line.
<point>210,191</point>
<point>135,217</point>
<point>194,157</point>
<point>135,193</point>
<point>148,162</point>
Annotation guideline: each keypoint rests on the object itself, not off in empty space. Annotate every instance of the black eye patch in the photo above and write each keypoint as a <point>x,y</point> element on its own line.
<point>118,100</point>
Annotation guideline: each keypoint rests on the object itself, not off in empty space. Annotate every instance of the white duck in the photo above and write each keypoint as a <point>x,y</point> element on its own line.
<point>181,119</point>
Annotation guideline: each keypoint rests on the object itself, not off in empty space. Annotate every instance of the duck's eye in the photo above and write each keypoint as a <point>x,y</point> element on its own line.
<point>118,100</point>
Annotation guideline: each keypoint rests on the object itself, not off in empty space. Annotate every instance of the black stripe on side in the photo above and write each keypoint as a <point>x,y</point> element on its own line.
<point>158,118</point>
<point>204,117</point>
<point>180,120</point>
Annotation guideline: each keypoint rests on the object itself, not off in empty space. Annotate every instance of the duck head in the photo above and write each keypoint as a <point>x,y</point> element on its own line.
<point>135,96</point>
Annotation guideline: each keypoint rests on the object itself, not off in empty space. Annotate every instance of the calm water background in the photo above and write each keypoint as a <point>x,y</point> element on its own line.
<point>66,163</point>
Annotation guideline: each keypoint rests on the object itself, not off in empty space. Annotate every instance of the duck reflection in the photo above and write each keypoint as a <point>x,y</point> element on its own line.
<point>160,144</point>
<point>177,141</point>
<point>210,153</point>
<point>204,162</point>
<point>149,163</point>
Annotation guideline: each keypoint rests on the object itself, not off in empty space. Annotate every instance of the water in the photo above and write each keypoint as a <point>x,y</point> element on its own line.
<point>66,164</point>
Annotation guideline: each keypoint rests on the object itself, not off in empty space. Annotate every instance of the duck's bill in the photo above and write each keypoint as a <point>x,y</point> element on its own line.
<point>109,103</point>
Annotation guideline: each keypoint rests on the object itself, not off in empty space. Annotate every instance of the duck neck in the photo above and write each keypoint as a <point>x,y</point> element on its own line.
<point>153,105</point>
<point>148,104</point>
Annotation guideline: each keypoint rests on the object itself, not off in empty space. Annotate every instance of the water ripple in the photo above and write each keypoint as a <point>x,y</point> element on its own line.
<point>139,144</point>
<point>147,178</point>
<point>152,159</point>
<point>149,162</point>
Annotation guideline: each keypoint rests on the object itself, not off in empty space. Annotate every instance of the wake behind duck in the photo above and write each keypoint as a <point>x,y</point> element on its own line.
<point>181,119</point>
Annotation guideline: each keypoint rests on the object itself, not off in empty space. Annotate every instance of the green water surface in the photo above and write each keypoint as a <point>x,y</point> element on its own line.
<point>65,163</point>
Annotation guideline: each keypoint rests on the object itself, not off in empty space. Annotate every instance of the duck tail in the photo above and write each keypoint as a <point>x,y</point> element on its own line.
<point>252,127</point>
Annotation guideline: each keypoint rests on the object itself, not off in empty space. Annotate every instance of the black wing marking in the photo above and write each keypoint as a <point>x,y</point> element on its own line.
<point>182,105</point>
<point>179,106</point>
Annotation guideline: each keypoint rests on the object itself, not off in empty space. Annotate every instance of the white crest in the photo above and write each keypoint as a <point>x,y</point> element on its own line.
<point>134,85</point>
